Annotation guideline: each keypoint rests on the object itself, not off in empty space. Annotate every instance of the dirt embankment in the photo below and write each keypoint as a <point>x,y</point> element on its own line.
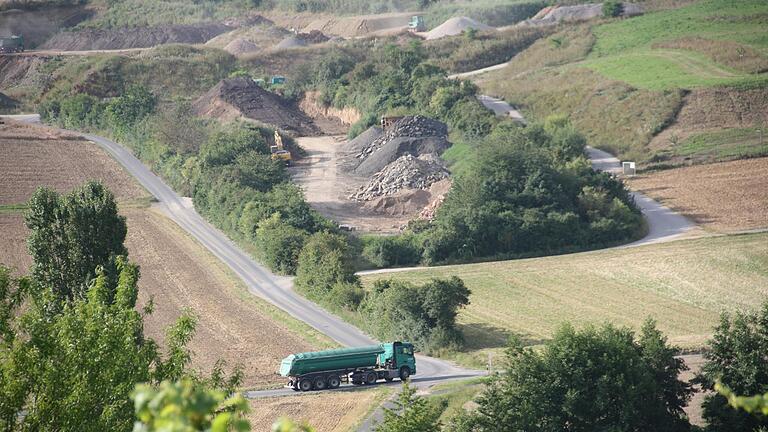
<point>241,97</point>
<point>314,108</point>
<point>355,26</point>
<point>714,109</point>
<point>139,37</point>
<point>38,25</point>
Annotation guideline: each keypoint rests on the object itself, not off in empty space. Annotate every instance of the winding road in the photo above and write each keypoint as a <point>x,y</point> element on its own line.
<point>277,290</point>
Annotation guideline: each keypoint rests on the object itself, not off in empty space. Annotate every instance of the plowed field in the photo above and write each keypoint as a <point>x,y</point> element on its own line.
<point>723,197</point>
<point>33,156</point>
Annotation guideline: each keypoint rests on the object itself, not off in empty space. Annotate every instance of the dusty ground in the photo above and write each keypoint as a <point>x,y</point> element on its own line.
<point>723,197</point>
<point>178,273</point>
<point>33,156</point>
<point>326,412</point>
<point>326,187</point>
<point>694,363</point>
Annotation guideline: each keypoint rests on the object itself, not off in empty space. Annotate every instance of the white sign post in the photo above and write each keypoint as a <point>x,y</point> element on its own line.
<point>628,168</point>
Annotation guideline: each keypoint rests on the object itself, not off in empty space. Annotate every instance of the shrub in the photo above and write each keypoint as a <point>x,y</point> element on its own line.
<point>392,251</point>
<point>612,8</point>
<point>324,262</point>
<point>279,244</point>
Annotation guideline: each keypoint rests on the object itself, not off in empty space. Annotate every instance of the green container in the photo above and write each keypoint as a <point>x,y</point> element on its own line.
<point>318,361</point>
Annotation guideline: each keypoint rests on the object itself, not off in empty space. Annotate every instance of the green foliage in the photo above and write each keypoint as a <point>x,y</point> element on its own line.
<point>612,9</point>
<point>410,414</point>
<point>391,251</point>
<point>424,315</point>
<point>72,235</point>
<point>757,404</point>
<point>586,380</point>
<point>736,359</point>
<point>184,406</point>
<point>530,190</point>
<point>133,105</point>
<point>324,262</point>
<point>280,244</point>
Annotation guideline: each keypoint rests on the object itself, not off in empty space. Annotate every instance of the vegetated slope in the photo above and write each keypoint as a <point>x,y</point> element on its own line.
<point>623,82</point>
<point>728,196</point>
<point>683,284</point>
<point>138,37</point>
<point>241,97</point>
<point>33,156</point>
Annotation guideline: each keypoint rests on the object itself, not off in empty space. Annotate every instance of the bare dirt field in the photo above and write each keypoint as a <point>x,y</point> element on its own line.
<point>178,273</point>
<point>722,197</point>
<point>33,156</point>
<point>329,412</point>
<point>326,187</point>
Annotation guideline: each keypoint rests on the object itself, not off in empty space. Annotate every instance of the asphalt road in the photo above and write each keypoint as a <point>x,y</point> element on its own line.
<point>278,290</point>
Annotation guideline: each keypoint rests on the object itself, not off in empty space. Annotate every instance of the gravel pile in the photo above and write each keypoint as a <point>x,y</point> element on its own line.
<point>407,172</point>
<point>414,135</point>
<point>582,12</point>
<point>241,46</point>
<point>455,26</point>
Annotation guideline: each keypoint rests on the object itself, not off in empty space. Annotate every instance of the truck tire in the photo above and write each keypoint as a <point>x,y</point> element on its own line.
<point>405,373</point>
<point>334,381</point>
<point>305,384</point>
<point>370,378</point>
<point>319,383</point>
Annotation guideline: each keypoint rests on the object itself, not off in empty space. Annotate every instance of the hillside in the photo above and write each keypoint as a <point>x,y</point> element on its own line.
<point>684,285</point>
<point>628,84</point>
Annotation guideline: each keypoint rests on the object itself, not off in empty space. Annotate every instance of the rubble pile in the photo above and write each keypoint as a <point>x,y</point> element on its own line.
<point>407,172</point>
<point>414,135</point>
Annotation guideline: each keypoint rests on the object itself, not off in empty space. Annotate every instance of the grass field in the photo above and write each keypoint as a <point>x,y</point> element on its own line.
<point>683,284</point>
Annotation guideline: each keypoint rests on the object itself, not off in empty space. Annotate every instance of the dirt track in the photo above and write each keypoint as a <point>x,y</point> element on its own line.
<point>327,188</point>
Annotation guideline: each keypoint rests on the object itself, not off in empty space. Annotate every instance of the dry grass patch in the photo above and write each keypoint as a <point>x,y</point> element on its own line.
<point>732,54</point>
<point>723,197</point>
<point>682,284</point>
<point>13,246</point>
<point>337,411</point>
<point>32,156</point>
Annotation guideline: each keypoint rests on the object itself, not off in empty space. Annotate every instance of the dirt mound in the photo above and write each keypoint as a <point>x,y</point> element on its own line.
<point>291,42</point>
<point>414,135</point>
<point>355,26</point>
<point>138,37</point>
<point>241,97</point>
<point>455,26</point>
<point>241,46</point>
<point>363,140</point>
<point>407,172</point>
<point>583,12</point>
<point>302,40</point>
<point>403,203</point>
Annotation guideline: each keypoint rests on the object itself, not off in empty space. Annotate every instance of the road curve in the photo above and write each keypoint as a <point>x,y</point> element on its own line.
<point>259,280</point>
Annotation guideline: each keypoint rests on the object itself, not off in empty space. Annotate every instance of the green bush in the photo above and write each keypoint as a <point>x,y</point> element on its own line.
<point>612,8</point>
<point>324,262</point>
<point>279,244</point>
<point>392,251</point>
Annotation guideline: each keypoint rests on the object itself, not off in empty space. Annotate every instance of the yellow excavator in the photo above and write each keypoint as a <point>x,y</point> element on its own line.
<point>279,153</point>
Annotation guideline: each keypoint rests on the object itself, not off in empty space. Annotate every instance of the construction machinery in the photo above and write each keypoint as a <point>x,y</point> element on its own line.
<point>360,366</point>
<point>416,24</point>
<point>12,44</point>
<point>279,153</point>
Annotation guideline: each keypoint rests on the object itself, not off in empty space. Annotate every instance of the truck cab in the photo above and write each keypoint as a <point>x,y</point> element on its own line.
<point>398,358</point>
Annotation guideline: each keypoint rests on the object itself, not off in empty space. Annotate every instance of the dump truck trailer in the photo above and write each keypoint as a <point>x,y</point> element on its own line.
<point>359,366</point>
<point>12,44</point>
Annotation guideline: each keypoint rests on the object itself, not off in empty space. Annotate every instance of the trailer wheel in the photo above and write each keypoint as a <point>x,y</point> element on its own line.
<point>370,378</point>
<point>305,384</point>
<point>319,383</point>
<point>405,372</point>
<point>334,381</point>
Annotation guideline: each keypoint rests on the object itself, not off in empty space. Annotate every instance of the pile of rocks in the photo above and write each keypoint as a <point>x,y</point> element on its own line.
<point>411,127</point>
<point>407,172</point>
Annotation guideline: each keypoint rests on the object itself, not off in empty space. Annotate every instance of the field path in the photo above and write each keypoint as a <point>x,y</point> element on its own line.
<point>277,290</point>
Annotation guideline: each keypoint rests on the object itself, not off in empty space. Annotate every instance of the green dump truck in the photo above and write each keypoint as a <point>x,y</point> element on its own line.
<point>360,365</point>
<point>13,44</point>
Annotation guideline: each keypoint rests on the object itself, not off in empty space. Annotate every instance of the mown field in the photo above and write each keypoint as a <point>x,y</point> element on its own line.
<point>684,285</point>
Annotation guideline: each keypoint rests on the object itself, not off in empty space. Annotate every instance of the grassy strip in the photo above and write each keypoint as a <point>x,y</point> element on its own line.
<point>682,284</point>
